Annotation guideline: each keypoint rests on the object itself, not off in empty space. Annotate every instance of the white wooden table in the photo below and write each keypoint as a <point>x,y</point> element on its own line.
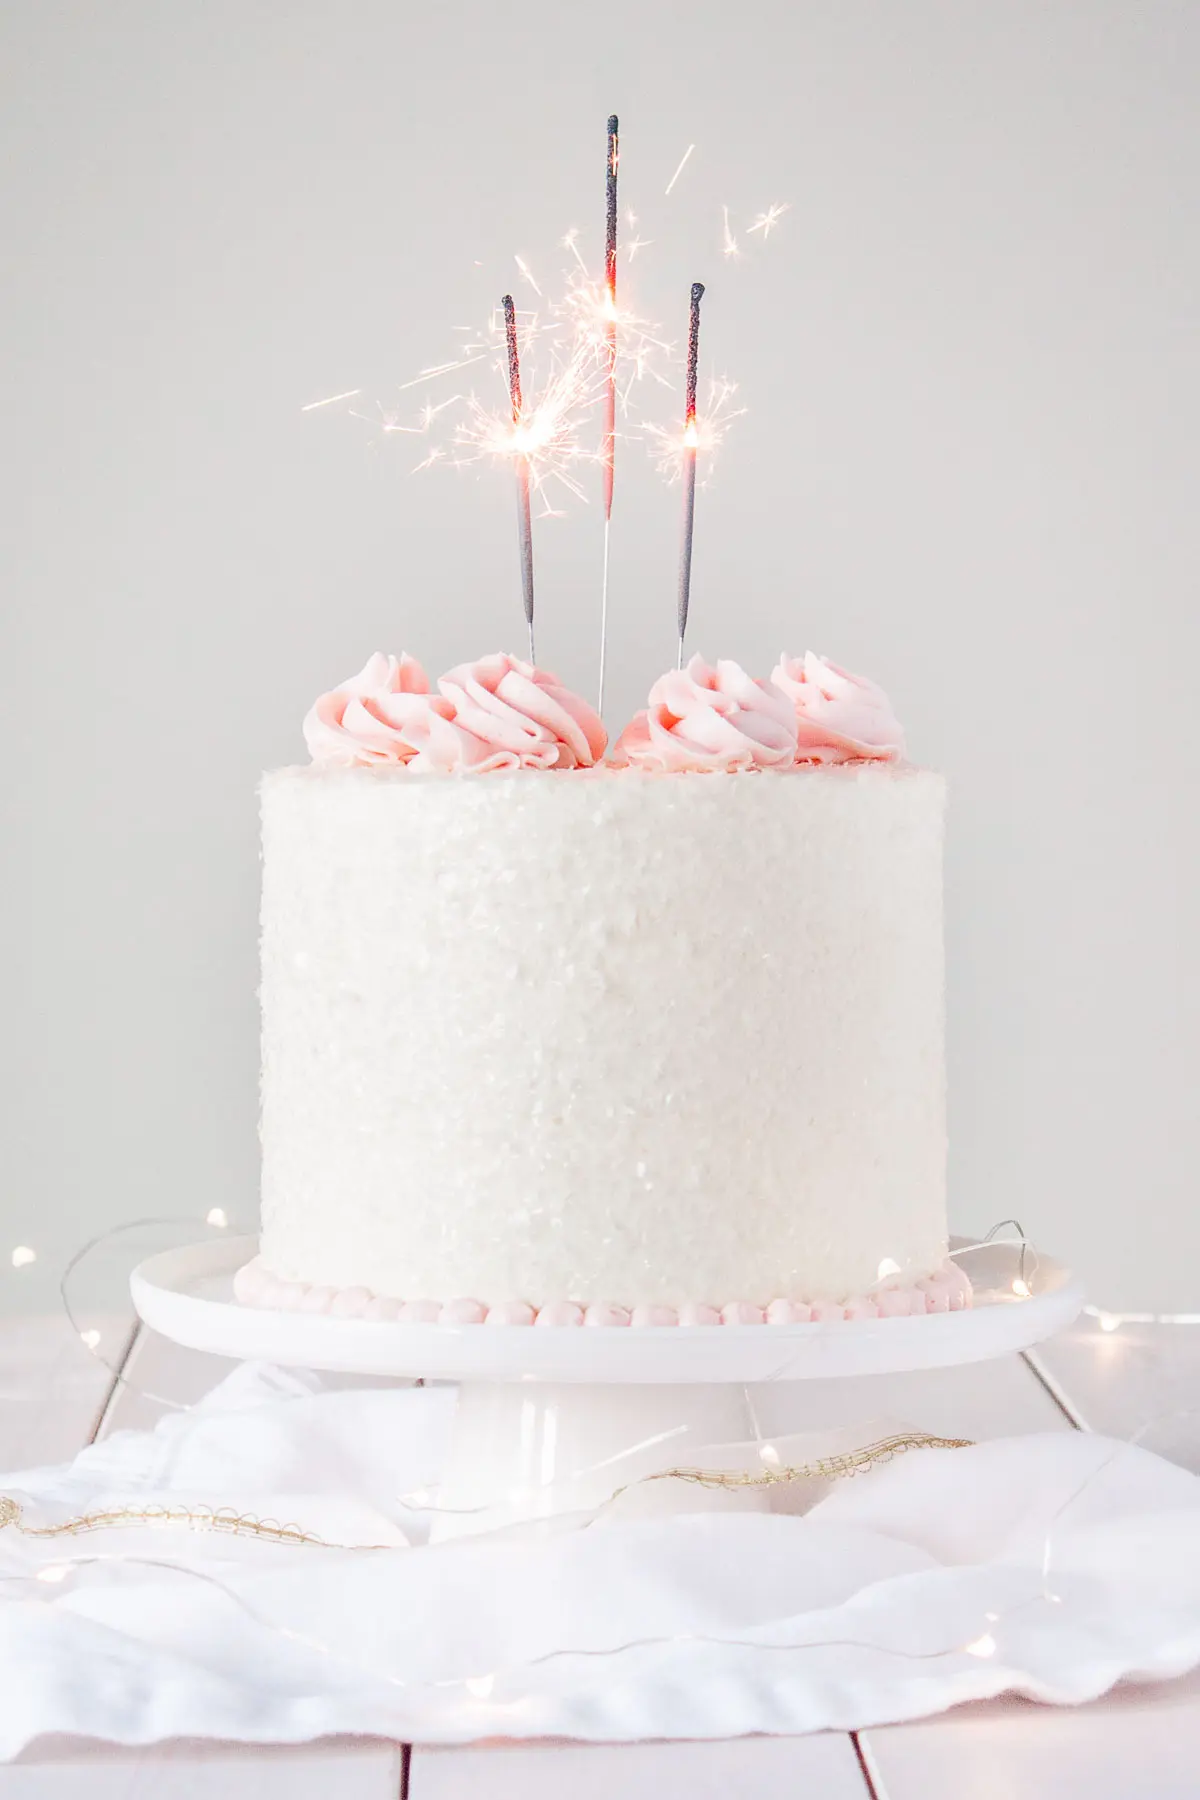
<point>1138,1742</point>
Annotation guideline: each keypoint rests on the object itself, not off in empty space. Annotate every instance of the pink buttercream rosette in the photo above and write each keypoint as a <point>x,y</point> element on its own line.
<point>367,719</point>
<point>523,715</point>
<point>494,714</point>
<point>712,719</point>
<point>839,717</point>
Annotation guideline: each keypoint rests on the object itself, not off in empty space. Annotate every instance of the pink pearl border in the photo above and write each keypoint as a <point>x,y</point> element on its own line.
<point>948,1289</point>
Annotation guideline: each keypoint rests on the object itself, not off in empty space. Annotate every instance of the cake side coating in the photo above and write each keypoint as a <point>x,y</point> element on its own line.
<point>651,1039</point>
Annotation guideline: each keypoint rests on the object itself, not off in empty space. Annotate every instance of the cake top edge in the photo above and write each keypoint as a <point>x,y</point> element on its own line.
<point>399,776</point>
<point>499,714</point>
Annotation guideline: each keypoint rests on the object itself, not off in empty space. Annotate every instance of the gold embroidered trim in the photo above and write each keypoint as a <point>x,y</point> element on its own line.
<point>226,1520</point>
<point>826,1468</point>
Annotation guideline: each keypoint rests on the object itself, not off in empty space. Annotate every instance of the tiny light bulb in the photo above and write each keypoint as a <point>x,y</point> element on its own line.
<point>216,1216</point>
<point>90,1338</point>
<point>982,1646</point>
<point>1021,1289</point>
<point>22,1256</point>
<point>54,1572</point>
<point>1108,1321</point>
<point>887,1267</point>
<point>769,1454</point>
<point>480,1686</point>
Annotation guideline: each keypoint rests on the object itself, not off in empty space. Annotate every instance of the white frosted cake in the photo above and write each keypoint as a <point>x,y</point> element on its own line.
<point>551,1039</point>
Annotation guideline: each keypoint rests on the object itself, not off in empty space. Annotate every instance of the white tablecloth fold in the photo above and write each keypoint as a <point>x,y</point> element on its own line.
<point>1050,1565</point>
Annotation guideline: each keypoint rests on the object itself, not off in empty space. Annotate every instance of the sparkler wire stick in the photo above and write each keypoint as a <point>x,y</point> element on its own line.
<point>610,312</point>
<point>610,391</point>
<point>524,523</point>
<point>689,464</point>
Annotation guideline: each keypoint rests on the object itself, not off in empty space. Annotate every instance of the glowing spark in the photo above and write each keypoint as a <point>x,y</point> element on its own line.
<point>1021,1289</point>
<point>705,432</point>
<point>630,217</point>
<point>22,1256</point>
<point>527,272</point>
<point>767,221</point>
<point>333,399</point>
<point>565,370</point>
<point>981,1646</point>
<point>636,244</point>
<point>729,246</point>
<point>446,368</point>
<point>679,170</point>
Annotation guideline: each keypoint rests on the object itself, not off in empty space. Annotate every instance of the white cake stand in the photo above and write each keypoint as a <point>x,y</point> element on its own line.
<point>553,1420</point>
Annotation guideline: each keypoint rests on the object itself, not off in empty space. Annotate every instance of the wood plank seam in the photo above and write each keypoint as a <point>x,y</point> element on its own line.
<point>868,1767</point>
<point>112,1393</point>
<point>1056,1391</point>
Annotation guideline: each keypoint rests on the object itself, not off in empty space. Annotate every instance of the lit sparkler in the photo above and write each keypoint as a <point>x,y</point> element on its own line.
<point>690,440</point>
<point>708,429</point>
<point>521,463</point>
<point>610,390</point>
<point>610,311</point>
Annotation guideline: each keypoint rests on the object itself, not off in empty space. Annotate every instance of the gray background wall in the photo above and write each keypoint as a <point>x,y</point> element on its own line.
<point>968,467</point>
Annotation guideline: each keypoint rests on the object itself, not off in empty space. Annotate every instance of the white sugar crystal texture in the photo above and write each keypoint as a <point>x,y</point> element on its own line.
<point>619,1036</point>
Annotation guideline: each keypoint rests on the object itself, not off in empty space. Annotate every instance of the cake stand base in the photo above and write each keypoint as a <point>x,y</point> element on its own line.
<point>520,1453</point>
<point>552,1421</point>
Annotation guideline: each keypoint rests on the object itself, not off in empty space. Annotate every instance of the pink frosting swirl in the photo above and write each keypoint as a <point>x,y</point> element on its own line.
<point>839,717</point>
<point>523,716</point>
<point>367,719</point>
<point>707,718</point>
<point>494,714</point>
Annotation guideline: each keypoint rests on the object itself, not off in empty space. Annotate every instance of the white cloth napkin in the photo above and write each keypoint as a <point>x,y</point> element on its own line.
<point>1050,1565</point>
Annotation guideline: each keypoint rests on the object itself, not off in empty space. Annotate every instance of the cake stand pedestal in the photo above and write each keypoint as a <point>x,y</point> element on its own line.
<point>552,1421</point>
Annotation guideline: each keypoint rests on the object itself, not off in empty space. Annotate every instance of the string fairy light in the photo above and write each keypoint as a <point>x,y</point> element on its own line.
<point>981,1637</point>
<point>1112,1321</point>
<point>481,1688</point>
<point>22,1256</point>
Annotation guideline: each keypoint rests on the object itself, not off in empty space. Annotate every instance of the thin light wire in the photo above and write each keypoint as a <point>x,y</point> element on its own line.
<point>604,618</point>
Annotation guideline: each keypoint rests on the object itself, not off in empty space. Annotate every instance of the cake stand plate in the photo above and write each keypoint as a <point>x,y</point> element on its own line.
<point>552,1420</point>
